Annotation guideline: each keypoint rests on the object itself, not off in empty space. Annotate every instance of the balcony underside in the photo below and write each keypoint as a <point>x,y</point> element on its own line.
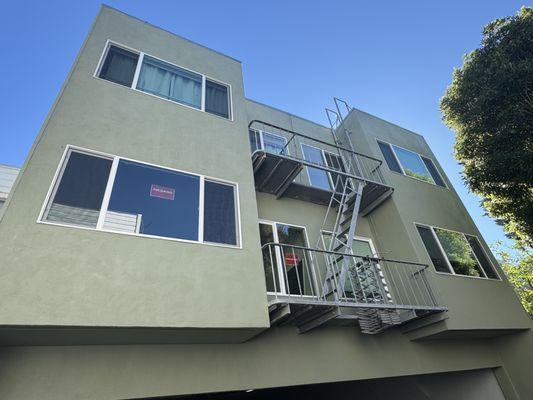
<point>275,174</point>
<point>308,313</point>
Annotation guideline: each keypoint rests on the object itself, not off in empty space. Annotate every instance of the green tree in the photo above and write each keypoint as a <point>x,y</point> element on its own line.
<point>518,266</point>
<point>489,105</point>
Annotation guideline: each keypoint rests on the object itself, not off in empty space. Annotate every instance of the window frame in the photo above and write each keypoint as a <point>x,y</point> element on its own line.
<point>392,145</point>
<point>259,133</point>
<point>328,173</point>
<point>135,80</point>
<point>279,258</point>
<point>448,264</point>
<point>109,188</point>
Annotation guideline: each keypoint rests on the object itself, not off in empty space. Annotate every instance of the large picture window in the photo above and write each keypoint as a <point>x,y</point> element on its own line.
<point>411,164</point>
<point>111,193</point>
<point>456,253</point>
<point>148,74</point>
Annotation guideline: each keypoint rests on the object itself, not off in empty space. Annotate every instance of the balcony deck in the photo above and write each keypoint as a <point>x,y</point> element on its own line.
<point>375,293</point>
<point>277,174</point>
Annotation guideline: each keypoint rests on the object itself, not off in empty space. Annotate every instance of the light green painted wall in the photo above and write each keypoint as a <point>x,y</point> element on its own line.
<point>66,276</point>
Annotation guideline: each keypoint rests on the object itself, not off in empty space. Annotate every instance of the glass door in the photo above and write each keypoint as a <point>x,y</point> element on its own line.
<point>288,269</point>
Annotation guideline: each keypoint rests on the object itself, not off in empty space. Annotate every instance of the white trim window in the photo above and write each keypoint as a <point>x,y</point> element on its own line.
<point>142,72</point>
<point>270,142</point>
<point>456,253</point>
<point>320,178</point>
<point>110,193</point>
<point>410,164</point>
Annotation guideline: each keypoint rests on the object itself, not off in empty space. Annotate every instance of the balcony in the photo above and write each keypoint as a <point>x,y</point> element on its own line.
<point>298,166</point>
<point>311,287</point>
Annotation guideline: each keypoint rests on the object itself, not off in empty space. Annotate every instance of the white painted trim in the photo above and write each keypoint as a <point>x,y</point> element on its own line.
<point>201,210</point>
<point>107,194</point>
<point>139,65</point>
<point>108,191</point>
<point>135,80</point>
<point>53,187</point>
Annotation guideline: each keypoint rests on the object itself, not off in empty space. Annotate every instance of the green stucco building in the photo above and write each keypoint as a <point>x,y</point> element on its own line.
<point>169,237</point>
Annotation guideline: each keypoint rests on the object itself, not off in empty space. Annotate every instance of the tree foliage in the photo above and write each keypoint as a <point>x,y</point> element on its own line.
<point>489,105</point>
<point>518,266</point>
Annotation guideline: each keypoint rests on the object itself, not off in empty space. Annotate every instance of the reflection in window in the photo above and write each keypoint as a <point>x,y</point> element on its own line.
<point>170,82</point>
<point>437,258</point>
<point>389,157</point>
<point>294,259</point>
<point>160,202</point>
<point>459,252</point>
<point>80,190</point>
<point>482,257</point>
<point>255,140</point>
<point>317,177</point>
<point>266,233</point>
<point>412,164</point>
<point>273,143</point>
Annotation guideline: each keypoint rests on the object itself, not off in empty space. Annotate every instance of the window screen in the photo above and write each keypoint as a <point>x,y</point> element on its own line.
<point>80,190</point>
<point>482,257</point>
<point>119,66</point>
<point>216,99</point>
<point>437,258</point>
<point>389,157</point>
<point>433,171</point>
<point>170,82</point>
<point>220,222</point>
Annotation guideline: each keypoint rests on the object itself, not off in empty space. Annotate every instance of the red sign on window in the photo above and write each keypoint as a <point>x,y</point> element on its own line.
<point>291,260</point>
<point>162,192</point>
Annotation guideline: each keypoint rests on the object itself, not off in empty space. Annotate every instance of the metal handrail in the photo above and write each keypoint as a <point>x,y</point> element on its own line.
<point>299,272</point>
<point>312,139</point>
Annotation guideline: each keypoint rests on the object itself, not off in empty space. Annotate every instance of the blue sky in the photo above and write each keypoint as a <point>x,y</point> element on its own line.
<point>392,59</point>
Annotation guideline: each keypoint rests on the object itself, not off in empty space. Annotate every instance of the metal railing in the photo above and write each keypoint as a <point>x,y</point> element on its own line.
<point>339,160</point>
<point>298,273</point>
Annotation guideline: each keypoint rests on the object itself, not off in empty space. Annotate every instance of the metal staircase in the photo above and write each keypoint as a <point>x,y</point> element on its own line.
<point>362,280</point>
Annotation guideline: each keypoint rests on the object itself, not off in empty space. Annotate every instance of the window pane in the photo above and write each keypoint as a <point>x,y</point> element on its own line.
<point>295,261</point>
<point>317,177</point>
<point>389,157</point>
<point>432,247</point>
<point>119,66</point>
<point>482,257</point>
<point>79,194</point>
<point>412,164</point>
<point>170,82</point>
<point>458,252</point>
<point>433,171</point>
<point>335,161</point>
<point>154,201</point>
<point>216,99</point>
<point>220,224</point>
<point>270,265</point>
<point>255,143</point>
<point>274,143</point>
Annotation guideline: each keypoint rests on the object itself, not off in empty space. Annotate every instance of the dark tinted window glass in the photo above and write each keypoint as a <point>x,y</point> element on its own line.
<point>119,66</point>
<point>389,157</point>
<point>482,258</point>
<point>433,171</point>
<point>334,161</point>
<point>79,194</point>
<point>437,258</point>
<point>216,99</point>
<point>220,225</point>
<point>154,201</point>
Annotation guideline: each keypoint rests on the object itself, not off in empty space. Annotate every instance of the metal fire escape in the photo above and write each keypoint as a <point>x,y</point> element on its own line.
<point>377,293</point>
